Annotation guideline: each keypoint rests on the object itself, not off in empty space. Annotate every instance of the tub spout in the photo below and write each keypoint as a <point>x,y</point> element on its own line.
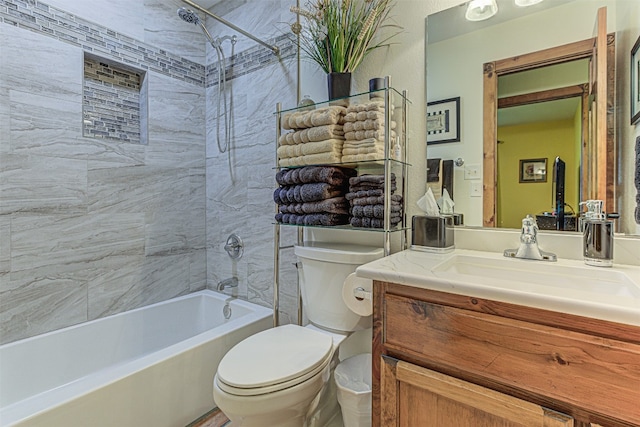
<point>231,282</point>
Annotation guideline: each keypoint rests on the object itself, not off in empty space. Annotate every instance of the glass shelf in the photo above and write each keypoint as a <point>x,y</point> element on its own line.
<point>394,93</point>
<point>346,227</point>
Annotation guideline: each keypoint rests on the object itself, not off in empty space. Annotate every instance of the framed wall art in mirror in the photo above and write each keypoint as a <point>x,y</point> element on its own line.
<point>635,82</point>
<point>443,121</point>
<point>533,170</point>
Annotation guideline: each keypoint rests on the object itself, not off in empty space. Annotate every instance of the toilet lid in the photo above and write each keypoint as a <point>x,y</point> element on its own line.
<point>274,356</point>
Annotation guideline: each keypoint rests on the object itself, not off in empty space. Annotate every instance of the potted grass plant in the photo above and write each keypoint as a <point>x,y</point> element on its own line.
<point>338,34</point>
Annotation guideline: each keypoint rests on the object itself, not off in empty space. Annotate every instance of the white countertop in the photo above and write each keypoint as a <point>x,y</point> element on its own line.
<point>567,286</point>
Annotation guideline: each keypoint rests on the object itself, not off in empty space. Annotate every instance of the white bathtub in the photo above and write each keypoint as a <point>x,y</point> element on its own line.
<point>151,366</point>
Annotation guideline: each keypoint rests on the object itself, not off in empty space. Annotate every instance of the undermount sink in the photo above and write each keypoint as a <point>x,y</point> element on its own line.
<point>527,275</point>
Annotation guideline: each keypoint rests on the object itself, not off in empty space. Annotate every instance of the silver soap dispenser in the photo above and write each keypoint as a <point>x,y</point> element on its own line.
<point>598,235</point>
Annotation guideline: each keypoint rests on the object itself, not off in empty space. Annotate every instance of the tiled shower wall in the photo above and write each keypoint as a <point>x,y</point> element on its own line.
<point>240,186</point>
<point>91,227</point>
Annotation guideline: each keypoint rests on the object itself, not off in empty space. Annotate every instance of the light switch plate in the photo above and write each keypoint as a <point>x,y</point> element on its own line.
<point>472,171</point>
<point>476,189</point>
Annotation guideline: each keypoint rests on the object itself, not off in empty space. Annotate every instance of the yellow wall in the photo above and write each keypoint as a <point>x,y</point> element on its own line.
<point>534,141</point>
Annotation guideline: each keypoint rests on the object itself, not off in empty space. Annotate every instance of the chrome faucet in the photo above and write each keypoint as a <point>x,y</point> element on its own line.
<point>529,243</point>
<point>231,282</point>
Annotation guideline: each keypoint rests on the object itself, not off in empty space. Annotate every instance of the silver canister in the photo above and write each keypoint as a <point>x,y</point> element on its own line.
<point>432,233</point>
<point>598,242</point>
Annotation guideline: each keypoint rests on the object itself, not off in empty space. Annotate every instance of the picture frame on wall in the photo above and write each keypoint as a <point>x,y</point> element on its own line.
<point>443,121</point>
<point>533,170</point>
<point>635,82</point>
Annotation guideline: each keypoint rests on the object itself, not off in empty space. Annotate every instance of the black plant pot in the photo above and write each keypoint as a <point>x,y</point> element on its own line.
<point>339,85</point>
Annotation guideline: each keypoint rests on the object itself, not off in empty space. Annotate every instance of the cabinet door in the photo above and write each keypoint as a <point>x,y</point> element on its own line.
<point>414,396</point>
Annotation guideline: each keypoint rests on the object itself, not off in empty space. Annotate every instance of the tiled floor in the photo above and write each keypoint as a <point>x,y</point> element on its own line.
<point>214,418</point>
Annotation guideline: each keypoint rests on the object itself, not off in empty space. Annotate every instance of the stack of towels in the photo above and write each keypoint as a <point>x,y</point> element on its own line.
<point>313,195</point>
<point>366,198</point>
<point>364,132</point>
<point>315,137</point>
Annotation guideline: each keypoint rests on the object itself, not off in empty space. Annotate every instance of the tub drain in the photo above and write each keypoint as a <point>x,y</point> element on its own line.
<point>226,311</point>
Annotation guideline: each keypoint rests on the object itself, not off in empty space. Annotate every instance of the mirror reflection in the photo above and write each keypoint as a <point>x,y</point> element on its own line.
<point>542,113</point>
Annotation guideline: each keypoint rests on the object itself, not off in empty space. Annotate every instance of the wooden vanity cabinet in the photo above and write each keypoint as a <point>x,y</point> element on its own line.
<point>446,360</point>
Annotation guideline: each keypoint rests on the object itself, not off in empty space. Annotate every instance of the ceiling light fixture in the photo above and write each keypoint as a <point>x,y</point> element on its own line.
<point>479,10</point>
<point>525,3</point>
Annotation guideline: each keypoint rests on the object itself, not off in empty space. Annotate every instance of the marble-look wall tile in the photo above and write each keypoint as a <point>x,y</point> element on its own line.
<point>47,125</point>
<point>40,304</point>
<point>163,27</point>
<point>5,111</point>
<point>58,242</point>
<point>138,189</point>
<point>107,154</point>
<point>122,285</point>
<point>198,268</point>
<point>51,68</point>
<point>176,123</point>
<point>5,245</point>
<point>44,185</point>
<point>173,232</point>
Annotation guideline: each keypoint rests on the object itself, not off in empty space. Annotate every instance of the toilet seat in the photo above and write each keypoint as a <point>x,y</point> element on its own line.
<point>274,360</point>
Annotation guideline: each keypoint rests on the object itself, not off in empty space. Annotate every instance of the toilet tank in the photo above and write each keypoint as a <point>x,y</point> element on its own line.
<point>323,270</point>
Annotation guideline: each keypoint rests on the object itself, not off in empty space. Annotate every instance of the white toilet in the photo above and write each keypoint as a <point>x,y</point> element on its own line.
<point>281,377</point>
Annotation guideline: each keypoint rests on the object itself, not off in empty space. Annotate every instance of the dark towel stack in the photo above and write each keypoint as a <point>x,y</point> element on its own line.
<point>313,195</point>
<point>366,198</point>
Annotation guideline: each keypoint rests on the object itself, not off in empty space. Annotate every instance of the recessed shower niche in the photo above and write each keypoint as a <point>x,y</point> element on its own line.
<point>114,101</point>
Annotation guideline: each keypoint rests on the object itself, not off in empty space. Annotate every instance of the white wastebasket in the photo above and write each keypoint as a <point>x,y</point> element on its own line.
<point>353,379</point>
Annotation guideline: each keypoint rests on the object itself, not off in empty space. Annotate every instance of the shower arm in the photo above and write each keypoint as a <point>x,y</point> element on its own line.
<point>274,49</point>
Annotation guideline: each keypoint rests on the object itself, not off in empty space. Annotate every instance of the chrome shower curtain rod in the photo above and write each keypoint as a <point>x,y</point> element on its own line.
<point>274,49</point>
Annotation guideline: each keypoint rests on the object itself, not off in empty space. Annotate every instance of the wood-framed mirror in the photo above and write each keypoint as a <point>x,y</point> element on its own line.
<point>597,143</point>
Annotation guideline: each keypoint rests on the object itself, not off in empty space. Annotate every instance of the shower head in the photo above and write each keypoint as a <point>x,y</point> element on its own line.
<point>188,15</point>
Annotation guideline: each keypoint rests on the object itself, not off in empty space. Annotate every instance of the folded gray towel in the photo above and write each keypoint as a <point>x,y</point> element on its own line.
<point>364,193</point>
<point>329,174</point>
<point>373,200</point>
<point>311,192</point>
<point>335,205</point>
<point>371,222</point>
<point>375,211</point>
<point>368,179</point>
<point>365,187</point>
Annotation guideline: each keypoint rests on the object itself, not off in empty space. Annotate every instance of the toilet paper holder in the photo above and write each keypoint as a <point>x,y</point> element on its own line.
<point>362,294</point>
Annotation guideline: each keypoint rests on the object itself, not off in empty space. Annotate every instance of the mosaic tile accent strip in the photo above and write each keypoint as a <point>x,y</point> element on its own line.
<point>44,19</point>
<point>111,102</point>
<point>253,59</point>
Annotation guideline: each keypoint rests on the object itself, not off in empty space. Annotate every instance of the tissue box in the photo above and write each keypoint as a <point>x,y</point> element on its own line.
<point>432,233</point>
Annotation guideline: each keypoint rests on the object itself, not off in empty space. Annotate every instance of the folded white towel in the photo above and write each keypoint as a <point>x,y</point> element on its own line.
<point>374,105</point>
<point>362,150</point>
<point>305,119</point>
<point>329,145</point>
<point>352,158</point>
<point>369,142</point>
<point>313,134</point>
<point>365,134</point>
<point>377,125</point>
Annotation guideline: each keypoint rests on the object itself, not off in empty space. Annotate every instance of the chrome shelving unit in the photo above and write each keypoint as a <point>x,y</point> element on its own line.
<point>393,100</point>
